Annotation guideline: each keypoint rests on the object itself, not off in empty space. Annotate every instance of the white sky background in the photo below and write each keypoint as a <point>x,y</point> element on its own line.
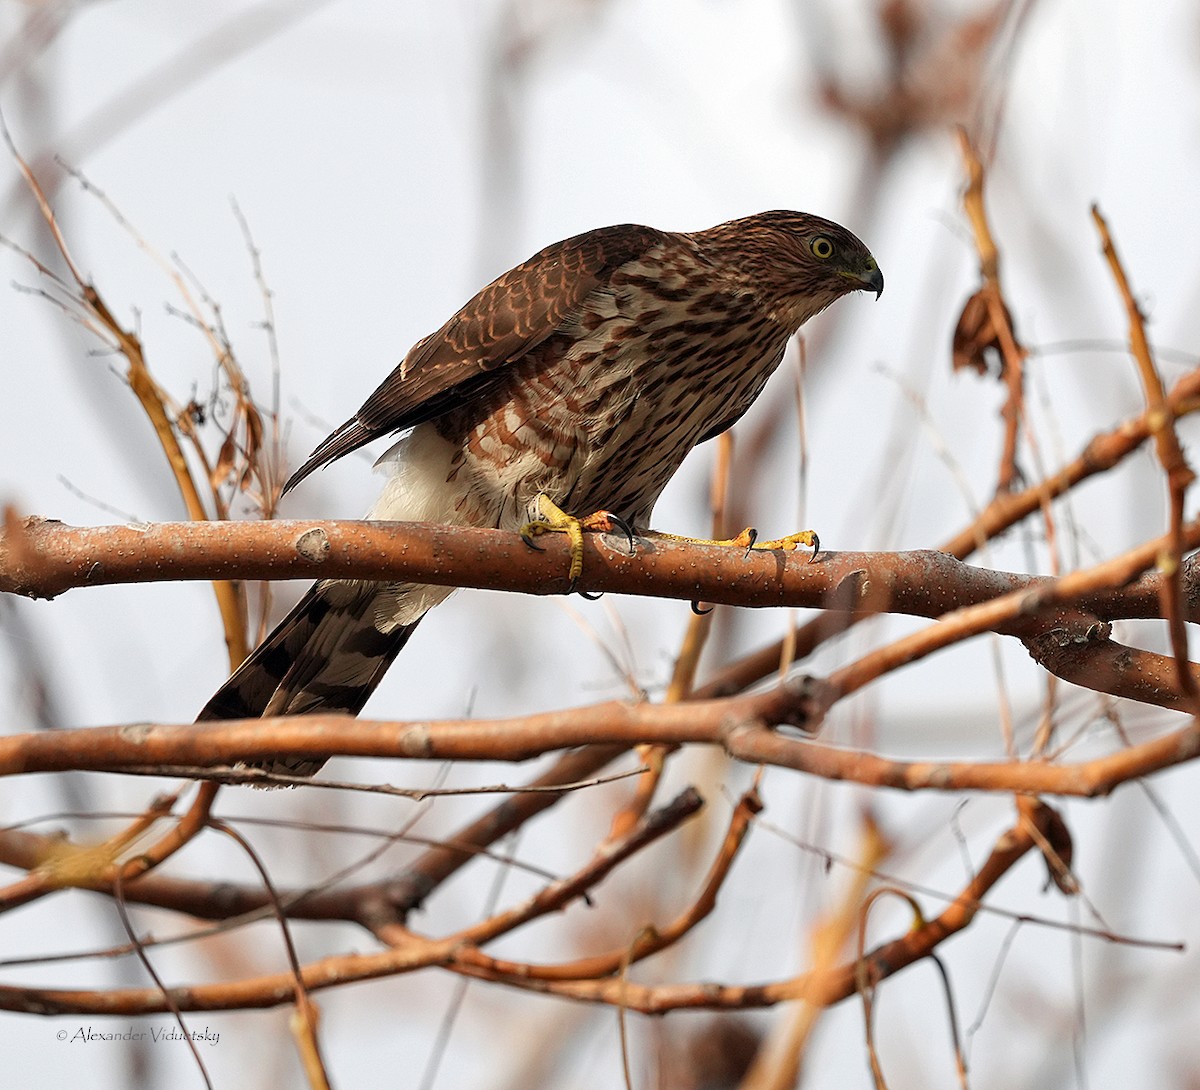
<point>388,166</point>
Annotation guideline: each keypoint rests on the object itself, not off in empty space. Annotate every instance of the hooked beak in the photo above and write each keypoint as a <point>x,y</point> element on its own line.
<point>871,279</point>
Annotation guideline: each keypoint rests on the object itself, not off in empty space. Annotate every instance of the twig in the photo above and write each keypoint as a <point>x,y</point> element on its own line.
<point>986,322</point>
<point>152,399</point>
<point>305,1016</point>
<point>1180,476</point>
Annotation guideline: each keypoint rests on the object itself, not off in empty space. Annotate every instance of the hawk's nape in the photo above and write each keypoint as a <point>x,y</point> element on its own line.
<point>583,376</point>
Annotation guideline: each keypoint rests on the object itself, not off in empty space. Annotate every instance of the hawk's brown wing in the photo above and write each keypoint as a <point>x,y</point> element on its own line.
<point>506,320</point>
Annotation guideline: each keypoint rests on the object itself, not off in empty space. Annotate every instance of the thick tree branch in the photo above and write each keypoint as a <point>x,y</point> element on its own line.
<point>736,725</point>
<point>41,558</point>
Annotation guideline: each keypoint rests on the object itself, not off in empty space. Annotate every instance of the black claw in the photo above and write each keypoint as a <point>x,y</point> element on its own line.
<point>591,596</point>
<point>696,609</point>
<point>528,539</point>
<point>816,548</point>
<point>753,538</point>
<point>625,528</point>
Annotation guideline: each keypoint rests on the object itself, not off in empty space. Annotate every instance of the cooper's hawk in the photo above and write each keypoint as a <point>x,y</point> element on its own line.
<point>583,377</point>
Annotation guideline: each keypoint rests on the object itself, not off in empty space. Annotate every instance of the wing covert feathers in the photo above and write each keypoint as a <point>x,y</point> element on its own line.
<point>506,320</point>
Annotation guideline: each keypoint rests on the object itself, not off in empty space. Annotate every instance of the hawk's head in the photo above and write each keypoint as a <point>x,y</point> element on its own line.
<point>798,264</point>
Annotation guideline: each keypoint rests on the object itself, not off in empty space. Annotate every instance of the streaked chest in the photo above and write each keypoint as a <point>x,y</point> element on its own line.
<point>603,412</point>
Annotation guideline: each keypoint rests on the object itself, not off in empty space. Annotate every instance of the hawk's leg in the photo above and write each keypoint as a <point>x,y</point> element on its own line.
<point>748,539</point>
<point>552,519</point>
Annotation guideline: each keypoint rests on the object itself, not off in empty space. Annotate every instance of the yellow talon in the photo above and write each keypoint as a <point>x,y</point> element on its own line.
<point>807,538</point>
<point>748,539</point>
<point>552,519</point>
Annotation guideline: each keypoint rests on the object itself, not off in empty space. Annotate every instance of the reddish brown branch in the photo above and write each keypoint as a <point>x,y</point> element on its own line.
<point>610,854</point>
<point>823,988</point>
<point>45,558</point>
<point>1030,615</point>
<point>1088,779</point>
<point>409,951</point>
<point>649,939</point>
<point>414,952</point>
<point>373,905</point>
<point>271,990</point>
<point>735,724</point>
<point>1102,453</point>
<point>967,600</point>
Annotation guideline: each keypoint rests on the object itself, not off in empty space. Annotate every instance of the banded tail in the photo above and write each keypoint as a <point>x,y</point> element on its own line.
<point>327,655</point>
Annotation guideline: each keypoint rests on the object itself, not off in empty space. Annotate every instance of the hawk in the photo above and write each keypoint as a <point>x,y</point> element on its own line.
<point>574,384</point>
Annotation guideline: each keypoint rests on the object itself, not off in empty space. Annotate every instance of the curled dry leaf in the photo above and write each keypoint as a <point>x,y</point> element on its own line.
<point>254,429</point>
<point>1058,849</point>
<point>223,467</point>
<point>976,335</point>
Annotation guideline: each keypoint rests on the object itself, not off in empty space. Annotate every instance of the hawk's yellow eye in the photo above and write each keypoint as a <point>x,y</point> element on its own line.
<point>821,247</point>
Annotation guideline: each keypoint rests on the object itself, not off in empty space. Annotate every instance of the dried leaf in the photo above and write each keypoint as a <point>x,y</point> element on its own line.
<point>1058,850</point>
<point>976,335</point>
<point>254,430</point>
<point>223,468</point>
